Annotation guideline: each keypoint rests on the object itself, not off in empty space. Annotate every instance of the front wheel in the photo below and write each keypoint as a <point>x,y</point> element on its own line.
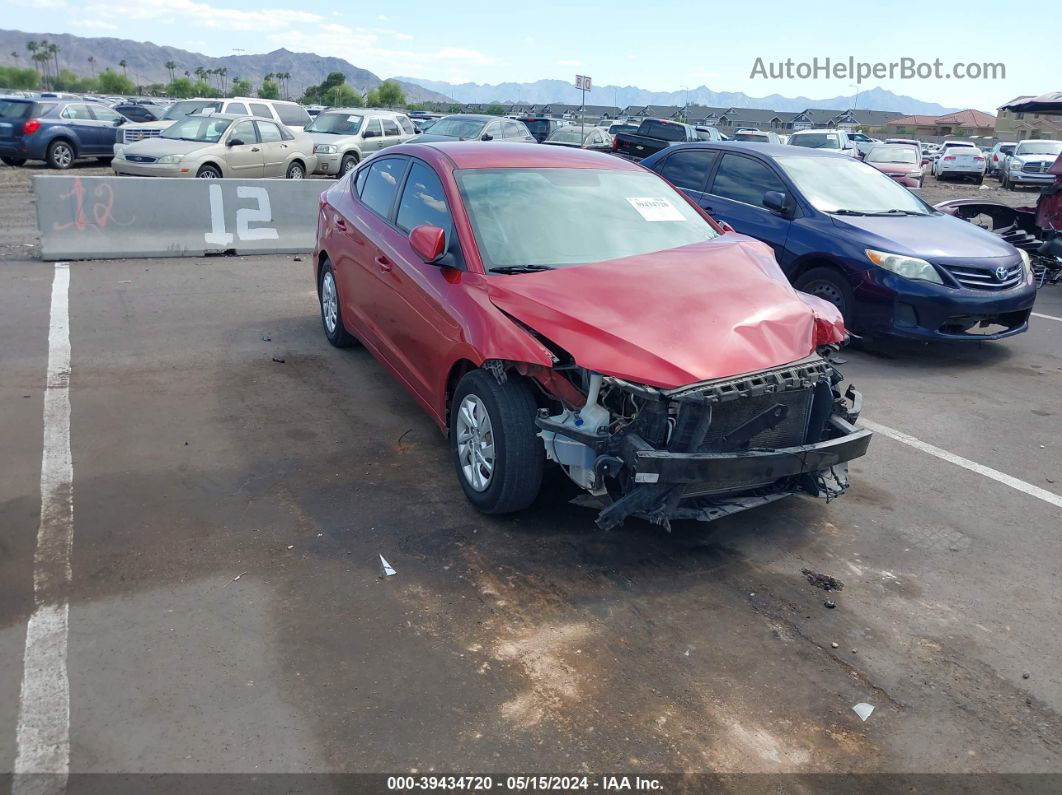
<point>13,161</point>
<point>497,454</point>
<point>349,161</point>
<point>830,285</point>
<point>296,171</point>
<point>331,311</point>
<point>208,172</point>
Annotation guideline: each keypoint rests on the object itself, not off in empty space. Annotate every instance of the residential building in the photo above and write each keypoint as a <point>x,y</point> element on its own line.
<point>1017,126</point>
<point>963,124</point>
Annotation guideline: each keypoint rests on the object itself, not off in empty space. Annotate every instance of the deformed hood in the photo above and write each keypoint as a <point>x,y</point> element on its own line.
<point>671,318</point>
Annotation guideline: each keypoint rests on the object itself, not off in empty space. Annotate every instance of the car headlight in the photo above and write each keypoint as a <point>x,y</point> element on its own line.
<point>908,267</point>
<point>914,174</point>
<point>1026,261</point>
<point>325,149</point>
<point>169,160</point>
<point>119,151</point>
<point>1014,165</point>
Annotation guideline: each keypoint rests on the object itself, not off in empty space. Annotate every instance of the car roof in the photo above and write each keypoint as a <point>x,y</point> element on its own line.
<point>480,116</point>
<point>484,154</point>
<point>773,150</point>
<point>819,130</point>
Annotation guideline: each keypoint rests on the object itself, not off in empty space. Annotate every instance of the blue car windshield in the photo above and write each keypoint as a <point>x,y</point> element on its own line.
<point>845,185</point>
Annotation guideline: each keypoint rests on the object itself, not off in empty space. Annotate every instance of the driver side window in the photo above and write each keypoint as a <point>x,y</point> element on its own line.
<point>244,131</point>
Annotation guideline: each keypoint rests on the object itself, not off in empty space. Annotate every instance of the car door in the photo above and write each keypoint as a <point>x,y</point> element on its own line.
<point>688,170</point>
<point>735,195</point>
<point>107,129</point>
<point>275,149</point>
<point>245,159</point>
<point>392,133</point>
<point>411,295</point>
<point>77,117</point>
<point>370,248</point>
<point>371,136</point>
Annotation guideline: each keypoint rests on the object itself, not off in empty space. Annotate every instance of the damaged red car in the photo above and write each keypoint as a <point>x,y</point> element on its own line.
<point>546,305</point>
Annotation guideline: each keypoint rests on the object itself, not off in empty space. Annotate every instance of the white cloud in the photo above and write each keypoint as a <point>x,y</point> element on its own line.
<point>93,24</point>
<point>381,17</point>
<point>464,56</point>
<point>404,36</point>
<point>204,14</point>
<point>571,62</point>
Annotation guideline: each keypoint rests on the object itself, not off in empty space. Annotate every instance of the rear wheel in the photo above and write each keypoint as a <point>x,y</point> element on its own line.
<point>60,155</point>
<point>829,285</point>
<point>13,161</point>
<point>331,312</point>
<point>208,172</point>
<point>497,454</point>
<point>296,171</point>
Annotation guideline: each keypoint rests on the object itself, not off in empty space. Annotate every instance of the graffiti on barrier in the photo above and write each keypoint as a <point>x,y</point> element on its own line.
<point>101,204</point>
<point>245,216</point>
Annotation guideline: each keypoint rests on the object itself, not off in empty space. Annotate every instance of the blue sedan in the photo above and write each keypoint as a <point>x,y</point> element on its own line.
<point>847,233</point>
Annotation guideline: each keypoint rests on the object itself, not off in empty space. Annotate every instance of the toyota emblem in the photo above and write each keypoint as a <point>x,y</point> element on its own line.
<point>1001,273</point>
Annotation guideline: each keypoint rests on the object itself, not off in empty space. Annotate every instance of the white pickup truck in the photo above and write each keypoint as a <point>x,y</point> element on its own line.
<point>960,159</point>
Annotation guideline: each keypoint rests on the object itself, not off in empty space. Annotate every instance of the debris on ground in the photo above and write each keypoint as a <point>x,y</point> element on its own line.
<point>830,604</point>
<point>387,570</point>
<point>863,710</point>
<point>823,581</point>
<point>834,645</point>
<point>267,338</point>
<point>1026,675</point>
<point>234,579</point>
<point>278,360</point>
<point>298,259</point>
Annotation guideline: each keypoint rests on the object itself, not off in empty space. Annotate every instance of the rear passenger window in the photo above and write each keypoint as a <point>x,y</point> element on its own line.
<point>745,180</point>
<point>423,201</point>
<point>390,127</point>
<point>381,184</point>
<point>237,107</point>
<point>76,112</point>
<point>260,110</point>
<point>689,169</point>
<point>269,132</point>
<point>513,129</point>
<point>292,114</point>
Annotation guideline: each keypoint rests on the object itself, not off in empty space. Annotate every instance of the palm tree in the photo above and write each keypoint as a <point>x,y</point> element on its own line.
<point>287,77</point>
<point>222,72</point>
<point>171,65</point>
<point>92,64</point>
<point>200,72</point>
<point>122,63</point>
<point>53,50</point>
<point>187,73</point>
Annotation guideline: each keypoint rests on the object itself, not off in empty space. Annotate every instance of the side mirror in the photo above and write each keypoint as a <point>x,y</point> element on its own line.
<point>428,241</point>
<point>775,201</point>
<point>486,137</point>
<point>235,142</point>
<point>119,122</point>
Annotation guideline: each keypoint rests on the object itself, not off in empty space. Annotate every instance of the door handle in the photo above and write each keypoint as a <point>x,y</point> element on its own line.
<point>384,263</point>
<point>255,149</point>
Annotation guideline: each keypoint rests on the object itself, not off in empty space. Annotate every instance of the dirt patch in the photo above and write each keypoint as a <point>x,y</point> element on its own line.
<point>823,581</point>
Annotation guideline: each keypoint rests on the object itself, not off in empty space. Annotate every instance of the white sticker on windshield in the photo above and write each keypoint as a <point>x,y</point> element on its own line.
<point>353,118</point>
<point>655,208</point>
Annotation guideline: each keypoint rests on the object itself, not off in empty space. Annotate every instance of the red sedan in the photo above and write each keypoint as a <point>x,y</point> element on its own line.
<point>545,304</point>
<point>899,161</point>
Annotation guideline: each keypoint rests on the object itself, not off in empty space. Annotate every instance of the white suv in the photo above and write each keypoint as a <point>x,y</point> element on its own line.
<point>290,114</point>
<point>830,140</point>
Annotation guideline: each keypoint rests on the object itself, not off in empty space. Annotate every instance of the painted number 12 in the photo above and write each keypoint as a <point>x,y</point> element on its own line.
<point>218,236</point>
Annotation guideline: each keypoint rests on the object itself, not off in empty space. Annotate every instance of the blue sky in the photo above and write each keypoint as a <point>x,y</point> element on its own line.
<point>624,42</point>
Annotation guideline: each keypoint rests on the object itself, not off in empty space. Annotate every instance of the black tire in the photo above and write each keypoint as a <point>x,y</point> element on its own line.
<point>830,285</point>
<point>349,161</point>
<point>60,154</point>
<point>296,170</point>
<point>981,180</point>
<point>208,172</point>
<point>338,335</point>
<point>13,161</point>
<point>519,457</point>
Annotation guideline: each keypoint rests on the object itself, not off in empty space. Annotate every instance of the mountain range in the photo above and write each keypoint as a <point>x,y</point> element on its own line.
<point>543,91</point>
<point>146,62</point>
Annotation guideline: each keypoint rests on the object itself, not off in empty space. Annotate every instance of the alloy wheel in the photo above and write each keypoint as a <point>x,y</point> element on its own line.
<point>329,302</point>
<point>475,443</point>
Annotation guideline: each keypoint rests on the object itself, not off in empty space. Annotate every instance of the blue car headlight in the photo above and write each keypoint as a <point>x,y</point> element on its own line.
<point>908,267</point>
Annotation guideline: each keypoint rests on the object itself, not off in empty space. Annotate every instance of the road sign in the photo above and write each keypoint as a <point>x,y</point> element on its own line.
<point>583,82</point>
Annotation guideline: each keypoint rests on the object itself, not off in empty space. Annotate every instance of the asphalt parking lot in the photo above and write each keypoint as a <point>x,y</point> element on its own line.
<point>235,480</point>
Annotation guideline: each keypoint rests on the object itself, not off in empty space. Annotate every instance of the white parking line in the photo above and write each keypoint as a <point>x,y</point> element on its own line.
<point>43,732</point>
<point>1047,317</point>
<point>1000,477</point>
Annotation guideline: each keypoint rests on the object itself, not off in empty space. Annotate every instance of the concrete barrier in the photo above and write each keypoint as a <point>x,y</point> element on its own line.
<point>116,217</point>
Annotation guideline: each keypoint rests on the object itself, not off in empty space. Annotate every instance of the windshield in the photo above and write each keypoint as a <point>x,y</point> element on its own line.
<point>816,140</point>
<point>566,135</point>
<point>456,127</point>
<point>748,136</point>
<point>1039,148</point>
<point>663,131</point>
<point>335,124</point>
<point>892,154</point>
<point>181,109</point>
<point>15,110</point>
<point>842,184</point>
<point>559,217</point>
<point>537,126</point>
<point>207,129</point>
